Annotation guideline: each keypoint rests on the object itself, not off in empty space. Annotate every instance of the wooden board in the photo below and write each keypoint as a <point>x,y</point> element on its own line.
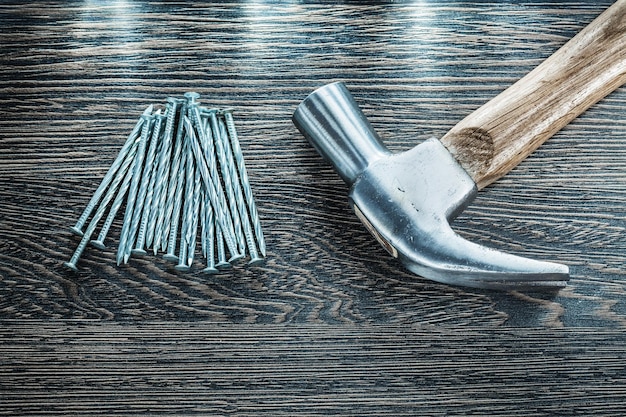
<point>318,370</point>
<point>74,78</point>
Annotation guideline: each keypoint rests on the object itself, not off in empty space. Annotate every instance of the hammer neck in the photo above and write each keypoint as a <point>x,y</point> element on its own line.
<point>333,123</point>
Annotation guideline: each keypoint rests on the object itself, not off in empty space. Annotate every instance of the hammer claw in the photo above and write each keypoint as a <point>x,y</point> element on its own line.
<point>454,260</point>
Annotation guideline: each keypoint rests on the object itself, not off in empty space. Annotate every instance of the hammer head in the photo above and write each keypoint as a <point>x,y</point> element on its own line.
<point>408,200</point>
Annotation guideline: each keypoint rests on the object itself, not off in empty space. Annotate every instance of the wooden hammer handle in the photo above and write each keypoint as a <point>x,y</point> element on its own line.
<point>499,135</point>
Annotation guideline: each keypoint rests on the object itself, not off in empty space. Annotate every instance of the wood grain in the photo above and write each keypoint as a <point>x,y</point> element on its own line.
<point>499,135</point>
<point>330,324</point>
<point>73,83</point>
<point>248,370</point>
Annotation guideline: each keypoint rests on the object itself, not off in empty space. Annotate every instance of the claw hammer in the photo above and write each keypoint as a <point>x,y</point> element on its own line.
<point>407,200</point>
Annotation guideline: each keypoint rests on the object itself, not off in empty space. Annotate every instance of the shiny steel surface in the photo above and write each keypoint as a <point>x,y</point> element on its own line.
<point>407,200</point>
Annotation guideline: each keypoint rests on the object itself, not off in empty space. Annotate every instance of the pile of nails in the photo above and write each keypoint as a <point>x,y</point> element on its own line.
<point>180,174</point>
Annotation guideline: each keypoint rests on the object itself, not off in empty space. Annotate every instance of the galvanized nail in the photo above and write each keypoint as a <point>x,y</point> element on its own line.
<point>117,203</point>
<point>209,147</point>
<point>162,180</point>
<point>132,193</point>
<point>239,198</point>
<point>164,227</point>
<point>213,188</point>
<point>173,182</point>
<point>228,182</point>
<point>221,252</point>
<point>77,228</point>
<point>191,97</point>
<point>124,172</point>
<point>175,214</point>
<point>210,241</point>
<point>191,245</point>
<point>243,175</point>
<point>144,198</point>
<point>187,219</point>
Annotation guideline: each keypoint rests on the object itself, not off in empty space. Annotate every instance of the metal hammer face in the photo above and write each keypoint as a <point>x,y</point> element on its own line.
<point>407,200</point>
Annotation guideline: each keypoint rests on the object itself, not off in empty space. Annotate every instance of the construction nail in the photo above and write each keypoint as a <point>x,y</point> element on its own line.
<point>180,174</point>
<point>245,182</point>
<point>213,188</point>
<point>210,242</point>
<point>176,206</point>
<point>171,245</point>
<point>182,258</point>
<point>191,98</point>
<point>157,214</point>
<point>203,225</point>
<point>77,228</point>
<point>163,179</point>
<point>205,121</point>
<point>209,146</point>
<point>221,252</point>
<point>164,223</point>
<point>187,219</point>
<point>191,245</point>
<point>144,197</point>
<point>239,198</point>
<point>228,180</point>
<point>132,192</point>
<point>125,172</point>
<point>117,203</point>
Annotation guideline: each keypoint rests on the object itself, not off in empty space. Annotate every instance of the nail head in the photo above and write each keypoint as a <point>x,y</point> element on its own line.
<point>76,231</point>
<point>98,244</point>
<point>256,261</point>
<point>170,257</point>
<point>71,266</point>
<point>223,265</point>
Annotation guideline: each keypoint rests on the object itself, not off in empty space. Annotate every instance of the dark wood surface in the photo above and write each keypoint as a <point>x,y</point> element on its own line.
<point>330,324</point>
